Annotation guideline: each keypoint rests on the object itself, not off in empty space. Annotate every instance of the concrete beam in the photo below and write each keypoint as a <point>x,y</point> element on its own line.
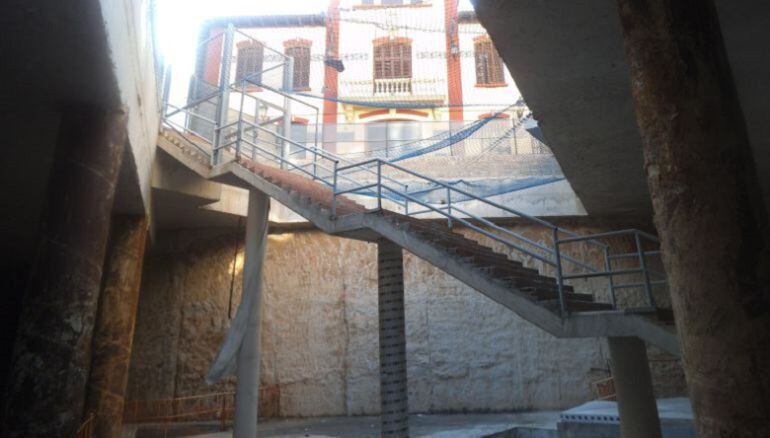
<point>568,61</point>
<point>171,175</point>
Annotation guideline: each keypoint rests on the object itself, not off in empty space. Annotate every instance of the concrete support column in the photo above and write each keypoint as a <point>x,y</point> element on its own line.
<point>52,355</point>
<point>633,384</point>
<point>115,320</point>
<point>709,211</point>
<point>393,390</point>
<point>247,375</point>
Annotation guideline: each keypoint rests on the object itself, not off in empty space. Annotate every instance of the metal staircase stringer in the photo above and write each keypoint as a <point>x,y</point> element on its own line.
<point>370,226</point>
<point>617,324</point>
<point>498,292</point>
<point>234,174</point>
<point>576,325</point>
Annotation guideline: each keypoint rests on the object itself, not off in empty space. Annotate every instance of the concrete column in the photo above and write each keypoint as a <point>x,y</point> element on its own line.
<point>393,391</point>
<point>52,355</point>
<point>709,211</point>
<point>115,320</point>
<point>247,374</point>
<point>633,384</point>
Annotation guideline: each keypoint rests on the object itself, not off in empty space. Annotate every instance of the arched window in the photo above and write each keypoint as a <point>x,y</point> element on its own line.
<point>249,61</point>
<point>489,65</point>
<point>299,49</point>
<point>392,58</point>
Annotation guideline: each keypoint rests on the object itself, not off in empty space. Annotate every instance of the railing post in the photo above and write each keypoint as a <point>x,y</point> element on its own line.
<point>223,414</point>
<point>406,200</point>
<point>315,162</point>
<point>387,128</point>
<point>643,265</point>
<point>449,139</point>
<point>515,143</point>
<point>288,86</point>
<point>239,127</point>
<point>224,96</point>
<point>608,268</point>
<point>379,185</point>
<point>166,88</point>
<point>449,206</point>
<point>559,279</point>
<point>334,191</point>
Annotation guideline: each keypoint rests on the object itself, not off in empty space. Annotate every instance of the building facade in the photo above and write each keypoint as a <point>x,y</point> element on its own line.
<point>365,71</point>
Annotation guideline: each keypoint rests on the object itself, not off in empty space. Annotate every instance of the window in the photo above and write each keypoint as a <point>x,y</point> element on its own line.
<point>489,65</point>
<point>249,61</point>
<point>299,49</point>
<point>392,58</point>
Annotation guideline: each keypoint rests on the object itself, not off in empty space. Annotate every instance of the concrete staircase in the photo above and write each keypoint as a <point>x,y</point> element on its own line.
<point>533,296</point>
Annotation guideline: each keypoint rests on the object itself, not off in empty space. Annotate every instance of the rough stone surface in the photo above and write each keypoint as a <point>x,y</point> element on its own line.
<point>320,332</point>
<point>708,205</point>
<point>114,330</point>
<point>47,382</point>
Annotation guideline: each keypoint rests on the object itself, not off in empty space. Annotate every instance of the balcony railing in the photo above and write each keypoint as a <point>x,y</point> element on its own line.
<point>397,86</point>
<point>394,88</point>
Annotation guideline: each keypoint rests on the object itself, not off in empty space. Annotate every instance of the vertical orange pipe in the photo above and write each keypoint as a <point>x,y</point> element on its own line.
<point>454,76</point>
<point>213,57</point>
<point>331,76</point>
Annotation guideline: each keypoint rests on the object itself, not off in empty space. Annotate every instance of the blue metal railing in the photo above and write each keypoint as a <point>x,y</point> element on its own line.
<point>248,137</point>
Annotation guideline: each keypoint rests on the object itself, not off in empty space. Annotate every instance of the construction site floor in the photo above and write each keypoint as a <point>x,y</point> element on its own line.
<point>439,426</point>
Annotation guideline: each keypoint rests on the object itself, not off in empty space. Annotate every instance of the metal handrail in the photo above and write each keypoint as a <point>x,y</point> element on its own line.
<point>554,256</point>
<point>191,104</point>
<point>390,188</point>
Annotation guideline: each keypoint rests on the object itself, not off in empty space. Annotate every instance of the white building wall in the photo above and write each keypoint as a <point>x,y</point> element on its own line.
<point>422,25</point>
<point>481,100</point>
<point>274,38</point>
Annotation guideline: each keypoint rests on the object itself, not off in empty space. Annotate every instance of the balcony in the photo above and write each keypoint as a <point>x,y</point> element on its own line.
<point>394,89</point>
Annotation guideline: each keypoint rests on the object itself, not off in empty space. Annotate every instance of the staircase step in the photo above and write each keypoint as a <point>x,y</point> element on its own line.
<point>577,306</point>
<point>513,271</point>
<point>474,254</point>
<point>546,295</point>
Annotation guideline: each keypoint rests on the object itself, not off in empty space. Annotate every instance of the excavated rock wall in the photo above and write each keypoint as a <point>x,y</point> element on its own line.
<point>319,335</point>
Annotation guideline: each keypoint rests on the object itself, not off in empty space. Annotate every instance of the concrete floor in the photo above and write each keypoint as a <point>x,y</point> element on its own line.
<point>439,426</point>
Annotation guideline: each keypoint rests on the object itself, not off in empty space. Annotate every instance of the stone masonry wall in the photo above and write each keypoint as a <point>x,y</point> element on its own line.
<point>319,334</point>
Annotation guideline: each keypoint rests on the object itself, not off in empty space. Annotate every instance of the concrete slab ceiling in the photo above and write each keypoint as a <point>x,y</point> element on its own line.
<point>55,54</point>
<point>568,61</point>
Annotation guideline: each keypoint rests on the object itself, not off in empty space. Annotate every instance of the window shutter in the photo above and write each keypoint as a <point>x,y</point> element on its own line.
<point>489,65</point>
<point>393,60</point>
<point>301,74</point>
<point>406,60</point>
<point>496,67</point>
<point>249,62</point>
